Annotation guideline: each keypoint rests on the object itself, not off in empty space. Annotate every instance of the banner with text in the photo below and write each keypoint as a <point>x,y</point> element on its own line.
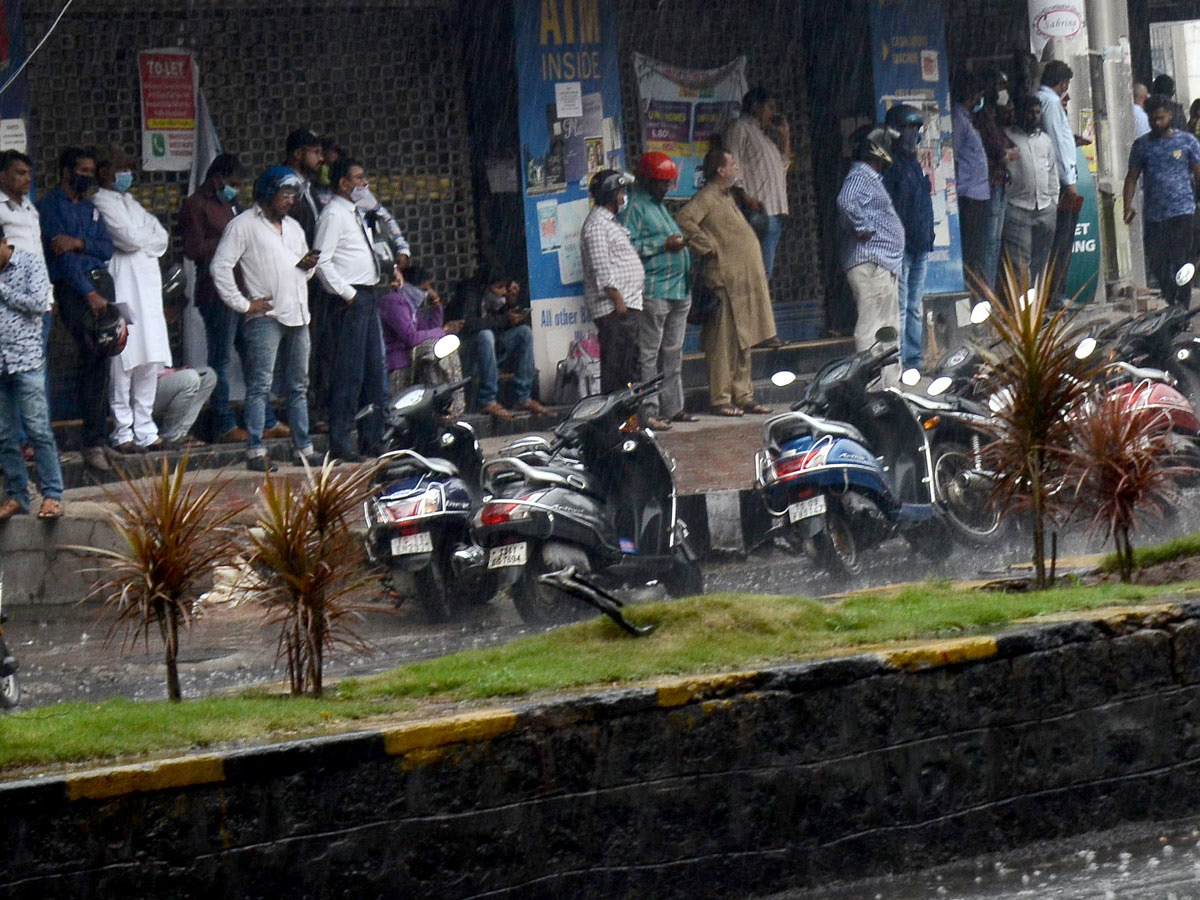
<point>682,110</point>
<point>569,115</point>
<point>908,40</point>
<point>169,81</point>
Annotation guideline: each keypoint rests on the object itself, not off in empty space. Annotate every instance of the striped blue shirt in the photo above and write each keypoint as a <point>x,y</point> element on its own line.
<point>864,205</point>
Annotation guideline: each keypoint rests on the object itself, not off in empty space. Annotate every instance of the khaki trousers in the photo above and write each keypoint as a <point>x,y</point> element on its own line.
<point>728,365</point>
<point>877,297</point>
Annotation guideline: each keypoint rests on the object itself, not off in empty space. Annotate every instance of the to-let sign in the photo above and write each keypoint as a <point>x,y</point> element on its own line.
<point>168,91</point>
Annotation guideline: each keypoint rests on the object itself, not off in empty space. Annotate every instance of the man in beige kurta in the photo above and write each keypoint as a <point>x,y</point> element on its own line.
<point>732,267</point>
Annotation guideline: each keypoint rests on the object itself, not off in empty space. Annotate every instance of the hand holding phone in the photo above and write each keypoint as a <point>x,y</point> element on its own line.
<point>309,259</point>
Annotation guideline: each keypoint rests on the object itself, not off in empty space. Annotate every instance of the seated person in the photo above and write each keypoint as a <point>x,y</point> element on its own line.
<point>496,334</point>
<point>413,318</point>
<point>178,398</point>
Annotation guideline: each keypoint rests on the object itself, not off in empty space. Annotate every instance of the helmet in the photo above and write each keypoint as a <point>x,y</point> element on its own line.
<point>106,333</point>
<point>875,143</point>
<point>657,167</point>
<point>276,177</point>
<point>607,183</point>
<point>902,115</point>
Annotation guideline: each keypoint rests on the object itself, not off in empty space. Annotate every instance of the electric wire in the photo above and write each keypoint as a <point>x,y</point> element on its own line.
<point>49,31</point>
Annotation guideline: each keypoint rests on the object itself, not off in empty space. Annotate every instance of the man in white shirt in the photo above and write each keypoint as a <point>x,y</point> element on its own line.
<point>1141,121</point>
<point>1032,198</point>
<point>275,263</point>
<point>349,270</point>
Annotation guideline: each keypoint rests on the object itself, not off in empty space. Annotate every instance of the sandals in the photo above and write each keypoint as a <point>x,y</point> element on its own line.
<point>684,416</point>
<point>756,409</point>
<point>730,412</point>
<point>656,424</point>
<point>496,411</point>
<point>532,406</point>
<point>50,509</point>
<point>9,508</point>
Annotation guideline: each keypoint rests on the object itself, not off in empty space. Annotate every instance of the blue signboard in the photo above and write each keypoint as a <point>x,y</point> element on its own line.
<point>908,43</point>
<point>569,115</point>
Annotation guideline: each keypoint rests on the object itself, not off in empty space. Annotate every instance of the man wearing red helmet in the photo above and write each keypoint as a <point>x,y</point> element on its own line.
<point>668,264</point>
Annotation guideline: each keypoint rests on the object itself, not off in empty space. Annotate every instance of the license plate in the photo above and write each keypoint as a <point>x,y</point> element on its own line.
<point>806,509</point>
<point>508,555</point>
<point>407,544</point>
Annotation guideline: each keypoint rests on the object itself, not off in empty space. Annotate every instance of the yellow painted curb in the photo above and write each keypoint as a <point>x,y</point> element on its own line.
<point>426,734</point>
<point>678,691</point>
<point>158,776</point>
<point>940,653</point>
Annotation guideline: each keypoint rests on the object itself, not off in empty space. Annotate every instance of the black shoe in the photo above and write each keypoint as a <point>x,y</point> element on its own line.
<point>348,458</point>
<point>260,464</point>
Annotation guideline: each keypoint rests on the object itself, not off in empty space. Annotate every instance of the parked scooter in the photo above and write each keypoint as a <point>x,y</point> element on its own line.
<point>568,520</point>
<point>418,519</point>
<point>850,467</point>
<point>10,688</point>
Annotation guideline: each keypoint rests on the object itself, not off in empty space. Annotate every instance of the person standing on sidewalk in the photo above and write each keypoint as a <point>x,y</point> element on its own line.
<point>25,298</point>
<point>1168,162</point>
<point>349,271</point>
<point>1032,193</point>
<point>275,263</point>
<point>77,253</point>
<point>665,306</point>
<point>613,280</point>
<point>971,174</point>
<point>912,197</point>
<point>1000,153</point>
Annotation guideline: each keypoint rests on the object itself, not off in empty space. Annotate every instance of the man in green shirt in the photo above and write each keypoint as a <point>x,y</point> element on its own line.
<point>664,255</point>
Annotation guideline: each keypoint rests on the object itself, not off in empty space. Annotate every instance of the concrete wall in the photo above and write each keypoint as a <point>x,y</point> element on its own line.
<point>722,786</point>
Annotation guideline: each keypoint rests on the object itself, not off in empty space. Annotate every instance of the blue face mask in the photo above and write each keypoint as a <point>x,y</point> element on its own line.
<point>123,181</point>
<point>978,106</point>
<point>228,193</point>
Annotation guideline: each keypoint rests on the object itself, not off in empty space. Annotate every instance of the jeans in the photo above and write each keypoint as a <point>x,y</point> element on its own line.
<point>265,338</point>
<point>23,395</point>
<point>356,375</point>
<point>770,243</point>
<point>993,232</point>
<point>179,398</point>
<point>912,293</point>
<point>512,347</point>
<point>660,335</point>
<point>46,324</point>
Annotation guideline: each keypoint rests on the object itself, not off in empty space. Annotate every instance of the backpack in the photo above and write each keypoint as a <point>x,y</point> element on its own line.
<point>578,375</point>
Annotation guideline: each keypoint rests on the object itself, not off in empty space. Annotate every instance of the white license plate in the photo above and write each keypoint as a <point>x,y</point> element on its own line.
<point>806,509</point>
<point>508,555</point>
<point>407,544</point>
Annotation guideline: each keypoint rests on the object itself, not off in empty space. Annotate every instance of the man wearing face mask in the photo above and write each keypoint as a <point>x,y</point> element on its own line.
<point>350,272</point>
<point>971,175</point>
<point>139,239</point>
<point>1000,152</point>
<point>77,245</point>
<point>1032,193</point>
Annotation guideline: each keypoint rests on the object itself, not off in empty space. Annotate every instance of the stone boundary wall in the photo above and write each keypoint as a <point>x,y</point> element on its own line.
<point>744,783</point>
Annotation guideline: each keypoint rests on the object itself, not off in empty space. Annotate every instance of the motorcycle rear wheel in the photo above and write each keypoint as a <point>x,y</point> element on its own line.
<point>431,592</point>
<point>541,604</point>
<point>10,692</point>
<point>835,549</point>
<point>970,513</point>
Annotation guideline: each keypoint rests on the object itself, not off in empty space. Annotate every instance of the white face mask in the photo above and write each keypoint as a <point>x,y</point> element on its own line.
<point>1002,98</point>
<point>358,193</point>
<point>624,203</point>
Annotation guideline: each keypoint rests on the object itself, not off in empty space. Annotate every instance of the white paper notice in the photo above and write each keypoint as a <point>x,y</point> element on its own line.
<point>12,135</point>
<point>570,222</point>
<point>568,99</point>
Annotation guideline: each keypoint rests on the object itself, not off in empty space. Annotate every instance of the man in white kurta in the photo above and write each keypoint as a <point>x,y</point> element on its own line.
<point>139,239</point>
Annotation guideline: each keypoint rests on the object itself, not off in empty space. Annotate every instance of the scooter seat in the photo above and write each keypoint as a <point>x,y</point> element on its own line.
<point>433,465</point>
<point>782,428</point>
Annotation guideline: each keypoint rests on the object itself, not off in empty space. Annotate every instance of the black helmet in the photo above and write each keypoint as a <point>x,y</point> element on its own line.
<point>902,115</point>
<point>607,183</point>
<point>107,333</point>
<point>875,143</point>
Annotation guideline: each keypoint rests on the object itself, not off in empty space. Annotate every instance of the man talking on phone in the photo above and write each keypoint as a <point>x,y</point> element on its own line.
<point>761,141</point>
<point>275,264</point>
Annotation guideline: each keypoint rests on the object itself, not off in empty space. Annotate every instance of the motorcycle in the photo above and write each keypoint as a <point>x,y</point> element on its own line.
<point>567,520</point>
<point>418,519</point>
<point>10,688</point>
<point>849,467</point>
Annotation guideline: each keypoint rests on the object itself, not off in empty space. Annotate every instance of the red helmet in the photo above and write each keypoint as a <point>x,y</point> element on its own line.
<point>658,167</point>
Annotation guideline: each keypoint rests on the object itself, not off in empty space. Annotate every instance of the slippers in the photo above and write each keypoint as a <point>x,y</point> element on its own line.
<point>756,409</point>
<point>684,416</point>
<point>9,509</point>
<point>51,508</point>
<point>496,411</point>
<point>654,423</point>
<point>730,412</point>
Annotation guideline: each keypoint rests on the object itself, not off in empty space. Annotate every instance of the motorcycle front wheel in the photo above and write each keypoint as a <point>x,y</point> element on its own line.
<point>10,692</point>
<point>542,604</point>
<point>969,510</point>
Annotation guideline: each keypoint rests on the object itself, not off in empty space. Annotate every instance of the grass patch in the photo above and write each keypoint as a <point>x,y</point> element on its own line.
<point>702,634</point>
<point>1143,557</point>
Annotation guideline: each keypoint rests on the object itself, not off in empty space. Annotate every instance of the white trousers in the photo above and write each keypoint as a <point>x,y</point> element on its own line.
<point>131,399</point>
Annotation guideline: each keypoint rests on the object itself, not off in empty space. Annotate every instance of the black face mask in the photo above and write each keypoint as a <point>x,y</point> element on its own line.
<point>82,183</point>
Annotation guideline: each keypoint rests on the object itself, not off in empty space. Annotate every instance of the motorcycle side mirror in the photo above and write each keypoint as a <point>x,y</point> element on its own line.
<point>910,377</point>
<point>886,335</point>
<point>1185,273</point>
<point>445,345</point>
<point>981,312</point>
<point>939,385</point>
<point>783,378</point>
<point>1085,348</point>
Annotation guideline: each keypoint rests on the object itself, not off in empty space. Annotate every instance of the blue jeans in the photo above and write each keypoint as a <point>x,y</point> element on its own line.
<point>223,335</point>
<point>912,292</point>
<point>23,398</point>
<point>265,338</point>
<point>513,348</point>
<point>993,234</point>
<point>770,244</point>
<point>355,377</point>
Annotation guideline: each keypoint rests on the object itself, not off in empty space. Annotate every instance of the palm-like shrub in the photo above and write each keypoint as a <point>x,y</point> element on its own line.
<point>309,564</point>
<point>175,534</point>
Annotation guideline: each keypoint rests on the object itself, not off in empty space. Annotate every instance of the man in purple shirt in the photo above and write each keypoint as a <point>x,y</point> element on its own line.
<point>971,175</point>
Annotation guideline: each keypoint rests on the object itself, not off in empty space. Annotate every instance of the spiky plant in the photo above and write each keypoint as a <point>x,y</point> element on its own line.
<point>1120,464</point>
<point>175,534</point>
<point>309,564</point>
<point>1040,381</point>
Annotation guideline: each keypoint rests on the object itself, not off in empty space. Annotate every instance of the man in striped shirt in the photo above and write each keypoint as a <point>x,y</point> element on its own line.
<point>665,306</point>
<point>873,247</point>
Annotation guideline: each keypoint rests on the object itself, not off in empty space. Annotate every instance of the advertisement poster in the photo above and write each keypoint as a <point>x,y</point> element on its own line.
<point>909,42</point>
<point>1054,19</point>
<point>683,109</point>
<point>169,82</point>
<point>569,114</point>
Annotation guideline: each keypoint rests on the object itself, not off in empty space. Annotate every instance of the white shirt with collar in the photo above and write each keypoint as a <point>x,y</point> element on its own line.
<point>22,225</point>
<point>267,253</point>
<point>347,257</point>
